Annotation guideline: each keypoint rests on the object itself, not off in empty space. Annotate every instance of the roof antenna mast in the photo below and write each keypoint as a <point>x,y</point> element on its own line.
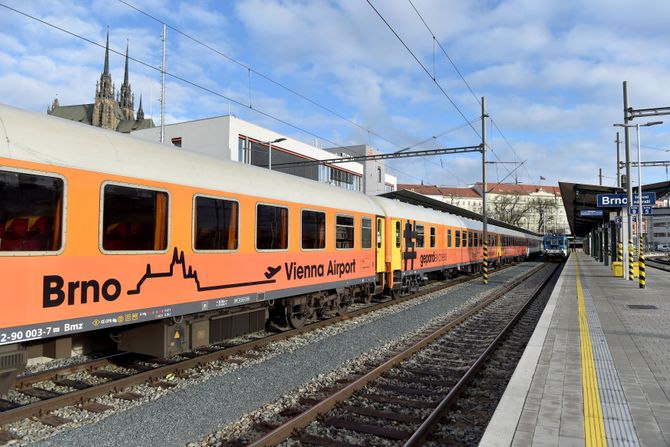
<point>163,69</point>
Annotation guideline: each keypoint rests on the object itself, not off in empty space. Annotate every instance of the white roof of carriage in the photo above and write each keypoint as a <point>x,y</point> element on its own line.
<point>55,141</point>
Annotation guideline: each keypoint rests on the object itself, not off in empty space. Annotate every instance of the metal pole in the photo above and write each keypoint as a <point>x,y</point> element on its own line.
<point>270,156</point>
<point>639,190</point>
<point>640,257</point>
<point>629,185</point>
<point>485,265</point>
<point>163,69</point>
<point>619,231</point>
<point>618,160</point>
<point>600,176</point>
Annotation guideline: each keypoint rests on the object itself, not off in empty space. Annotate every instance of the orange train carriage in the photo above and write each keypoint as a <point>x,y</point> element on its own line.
<point>167,250</point>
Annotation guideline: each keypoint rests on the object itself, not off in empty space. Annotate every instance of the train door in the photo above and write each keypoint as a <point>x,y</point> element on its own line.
<point>381,244</point>
<point>396,245</point>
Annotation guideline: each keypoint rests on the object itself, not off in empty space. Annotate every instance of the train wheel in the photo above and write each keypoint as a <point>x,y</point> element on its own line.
<point>342,306</point>
<point>296,316</point>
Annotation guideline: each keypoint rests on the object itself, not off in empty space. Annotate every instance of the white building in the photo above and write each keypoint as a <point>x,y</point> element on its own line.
<point>537,208</point>
<point>658,229</point>
<point>231,138</point>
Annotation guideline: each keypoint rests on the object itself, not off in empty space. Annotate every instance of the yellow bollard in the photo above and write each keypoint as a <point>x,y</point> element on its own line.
<point>485,266</point>
<point>631,260</point>
<point>641,267</point>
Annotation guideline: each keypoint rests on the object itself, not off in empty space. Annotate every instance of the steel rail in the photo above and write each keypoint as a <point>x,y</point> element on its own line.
<point>658,264</point>
<point>447,401</point>
<point>300,421</point>
<point>49,374</point>
<point>79,397</point>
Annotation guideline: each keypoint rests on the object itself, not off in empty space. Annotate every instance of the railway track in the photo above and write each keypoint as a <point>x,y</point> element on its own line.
<point>661,263</point>
<point>405,398</point>
<point>37,395</point>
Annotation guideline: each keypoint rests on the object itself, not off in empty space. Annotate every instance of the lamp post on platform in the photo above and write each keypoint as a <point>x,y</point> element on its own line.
<point>640,207</point>
<point>639,174</point>
<point>270,143</point>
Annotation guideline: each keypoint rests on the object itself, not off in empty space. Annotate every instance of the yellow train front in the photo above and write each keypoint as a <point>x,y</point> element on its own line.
<point>160,251</point>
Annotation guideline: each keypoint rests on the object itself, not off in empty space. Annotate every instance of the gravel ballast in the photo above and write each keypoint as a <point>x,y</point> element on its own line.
<point>192,411</point>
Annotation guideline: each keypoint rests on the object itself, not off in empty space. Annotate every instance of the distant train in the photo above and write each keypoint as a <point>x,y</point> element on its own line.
<point>555,246</point>
<point>160,251</point>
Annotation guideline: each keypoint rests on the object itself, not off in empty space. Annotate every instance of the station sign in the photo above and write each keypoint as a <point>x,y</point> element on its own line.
<point>621,200</point>
<point>590,213</point>
<point>646,210</point>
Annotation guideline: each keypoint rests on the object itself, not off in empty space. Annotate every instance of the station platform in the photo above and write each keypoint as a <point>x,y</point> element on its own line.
<point>597,368</point>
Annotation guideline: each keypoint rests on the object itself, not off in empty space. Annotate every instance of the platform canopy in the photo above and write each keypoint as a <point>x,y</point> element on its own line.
<point>578,197</point>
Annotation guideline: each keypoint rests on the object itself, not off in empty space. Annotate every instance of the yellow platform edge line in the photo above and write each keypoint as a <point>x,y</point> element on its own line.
<point>594,425</point>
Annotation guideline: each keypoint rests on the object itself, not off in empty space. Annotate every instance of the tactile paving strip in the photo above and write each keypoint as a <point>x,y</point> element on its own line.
<point>619,429</point>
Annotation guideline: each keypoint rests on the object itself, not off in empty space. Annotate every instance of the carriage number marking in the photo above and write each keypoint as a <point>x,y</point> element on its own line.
<point>27,334</point>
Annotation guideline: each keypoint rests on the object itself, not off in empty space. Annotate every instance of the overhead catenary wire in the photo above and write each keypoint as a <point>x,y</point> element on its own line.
<point>439,86</point>
<point>174,76</point>
<point>219,94</point>
<point>467,84</point>
<point>251,70</point>
<point>435,81</point>
<point>191,83</point>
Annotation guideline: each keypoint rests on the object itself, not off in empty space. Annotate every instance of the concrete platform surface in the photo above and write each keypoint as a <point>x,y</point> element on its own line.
<point>597,368</point>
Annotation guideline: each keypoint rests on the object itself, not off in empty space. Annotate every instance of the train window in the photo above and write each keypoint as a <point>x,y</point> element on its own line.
<point>344,232</point>
<point>432,237</point>
<point>397,234</point>
<point>216,224</point>
<point>458,238</point>
<point>31,209</point>
<point>476,236</point>
<point>419,236</point>
<point>449,238</point>
<point>470,239</point>
<point>271,227</point>
<point>379,233</point>
<point>366,233</point>
<point>313,230</point>
<point>134,219</point>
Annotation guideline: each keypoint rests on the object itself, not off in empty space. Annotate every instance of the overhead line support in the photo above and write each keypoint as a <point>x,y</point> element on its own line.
<point>424,153</point>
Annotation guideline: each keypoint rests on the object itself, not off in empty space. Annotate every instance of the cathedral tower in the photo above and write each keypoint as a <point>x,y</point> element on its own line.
<point>126,98</point>
<point>103,108</point>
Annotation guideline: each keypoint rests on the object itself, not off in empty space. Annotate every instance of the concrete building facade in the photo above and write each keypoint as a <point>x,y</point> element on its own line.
<point>658,229</point>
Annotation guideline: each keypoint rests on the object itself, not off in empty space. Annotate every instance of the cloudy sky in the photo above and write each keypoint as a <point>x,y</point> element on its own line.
<point>333,71</point>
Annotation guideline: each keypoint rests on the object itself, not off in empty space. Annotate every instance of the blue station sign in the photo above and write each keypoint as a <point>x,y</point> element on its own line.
<point>621,200</point>
<point>646,210</point>
<point>590,213</point>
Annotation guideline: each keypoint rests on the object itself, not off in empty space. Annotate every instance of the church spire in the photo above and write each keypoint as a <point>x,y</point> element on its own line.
<point>125,75</point>
<point>106,69</point>
<point>140,111</point>
<point>126,101</point>
<point>104,114</point>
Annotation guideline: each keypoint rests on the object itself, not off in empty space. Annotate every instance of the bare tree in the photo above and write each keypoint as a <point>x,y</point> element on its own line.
<point>545,209</point>
<point>509,208</point>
